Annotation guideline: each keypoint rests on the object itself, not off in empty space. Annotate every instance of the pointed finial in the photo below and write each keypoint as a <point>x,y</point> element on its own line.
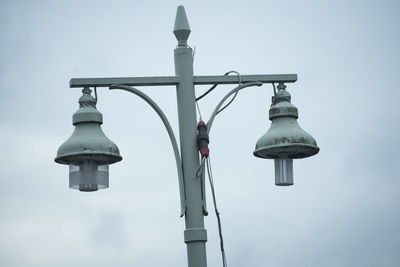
<point>181,28</point>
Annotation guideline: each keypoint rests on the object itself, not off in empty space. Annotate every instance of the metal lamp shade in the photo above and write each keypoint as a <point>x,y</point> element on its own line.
<point>88,152</point>
<point>285,140</point>
<point>88,142</point>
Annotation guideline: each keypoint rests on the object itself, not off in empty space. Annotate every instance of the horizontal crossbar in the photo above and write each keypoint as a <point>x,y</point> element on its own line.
<point>174,80</point>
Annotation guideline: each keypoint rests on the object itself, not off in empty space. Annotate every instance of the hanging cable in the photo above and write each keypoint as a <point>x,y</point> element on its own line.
<point>215,85</point>
<point>206,93</point>
<point>198,110</point>
<point>200,169</point>
<point>202,142</point>
<point>211,180</point>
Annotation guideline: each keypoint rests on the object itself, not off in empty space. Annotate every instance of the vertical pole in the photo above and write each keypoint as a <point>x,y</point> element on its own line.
<point>195,235</point>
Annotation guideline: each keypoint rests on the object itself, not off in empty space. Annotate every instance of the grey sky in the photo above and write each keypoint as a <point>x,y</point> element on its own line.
<point>344,207</point>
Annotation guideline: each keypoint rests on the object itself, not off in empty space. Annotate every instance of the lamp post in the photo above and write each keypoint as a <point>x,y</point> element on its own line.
<point>88,151</point>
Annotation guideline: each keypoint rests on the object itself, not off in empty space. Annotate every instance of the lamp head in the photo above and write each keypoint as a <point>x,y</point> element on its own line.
<point>285,140</point>
<point>88,152</point>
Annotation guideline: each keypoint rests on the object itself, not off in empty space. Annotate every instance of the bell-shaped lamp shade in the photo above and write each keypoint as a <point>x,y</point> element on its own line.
<point>88,151</point>
<point>285,140</point>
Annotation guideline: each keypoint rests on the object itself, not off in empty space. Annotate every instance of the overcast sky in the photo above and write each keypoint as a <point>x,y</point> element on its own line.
<point>344,207</point>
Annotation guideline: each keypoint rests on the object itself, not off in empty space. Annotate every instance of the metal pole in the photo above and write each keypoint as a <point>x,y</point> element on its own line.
<point>195,235</point>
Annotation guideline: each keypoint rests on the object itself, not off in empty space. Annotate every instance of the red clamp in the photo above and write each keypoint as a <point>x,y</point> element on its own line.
<point>202,139</point>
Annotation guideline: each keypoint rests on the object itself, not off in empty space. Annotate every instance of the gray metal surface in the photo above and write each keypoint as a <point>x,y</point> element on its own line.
<point>264,78</point>
<point>174,80</point>
<point>194,221</point>
<point>285,139</point>
<point>131,81</point>
<point>285,136</point>
<point>88,141</point>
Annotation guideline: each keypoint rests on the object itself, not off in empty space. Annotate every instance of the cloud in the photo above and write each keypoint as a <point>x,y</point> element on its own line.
<point>342,209</point>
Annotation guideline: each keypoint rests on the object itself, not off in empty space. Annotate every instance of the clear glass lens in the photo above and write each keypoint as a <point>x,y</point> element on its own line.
<point>88,176</point>
<point>283,172</point>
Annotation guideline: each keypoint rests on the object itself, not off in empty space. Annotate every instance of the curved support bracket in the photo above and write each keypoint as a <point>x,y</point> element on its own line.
<point>236,89</point>
<point>171,136</point>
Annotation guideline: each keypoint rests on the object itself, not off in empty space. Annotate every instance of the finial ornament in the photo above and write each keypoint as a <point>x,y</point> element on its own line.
<point>181,27</point>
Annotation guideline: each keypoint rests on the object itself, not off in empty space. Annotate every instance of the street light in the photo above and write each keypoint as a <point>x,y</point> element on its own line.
<point>88,151</point>
<point>285,140</point>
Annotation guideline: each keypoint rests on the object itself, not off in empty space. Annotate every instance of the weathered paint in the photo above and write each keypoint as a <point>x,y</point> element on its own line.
<point>88,141</point>
<point>285,137</point>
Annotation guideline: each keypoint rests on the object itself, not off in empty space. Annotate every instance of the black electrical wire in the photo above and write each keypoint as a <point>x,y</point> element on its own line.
<point>210,179</point>
<point>206,93</point>
<point>215,85</point>
<point>207,161</point>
